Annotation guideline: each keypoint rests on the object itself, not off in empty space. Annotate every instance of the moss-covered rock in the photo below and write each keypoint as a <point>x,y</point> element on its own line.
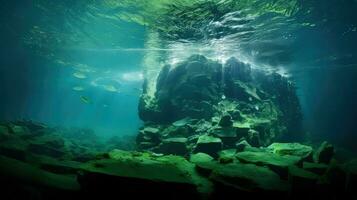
<point>294,149</point>
<point>275,162</point>
<point>168,170</point>
<point>245,177</point>
<point>231,97</point>
<point>208,144</point>
<point>227,156</point>
<point>175,146</point>
<point>200,158</point>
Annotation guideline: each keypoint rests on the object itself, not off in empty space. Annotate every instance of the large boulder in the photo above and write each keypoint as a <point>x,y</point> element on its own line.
<point>230,97</point>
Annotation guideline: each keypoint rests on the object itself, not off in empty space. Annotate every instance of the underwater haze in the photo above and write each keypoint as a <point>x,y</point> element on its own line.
<point>146,82</point>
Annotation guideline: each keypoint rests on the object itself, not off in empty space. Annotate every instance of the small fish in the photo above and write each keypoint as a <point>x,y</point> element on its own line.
<point>110,88</point>
<point>85,100</point>
<point>223,97</point>
<point>182,122</point>
<point>256,108</point>
<point>79,75</point>
<point>250,99</point>
<point>78,88</point>
<point>105,106</point>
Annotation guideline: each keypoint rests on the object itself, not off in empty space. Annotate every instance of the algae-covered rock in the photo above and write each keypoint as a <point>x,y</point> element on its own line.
<point>240,146</point>
<point>277,163</point>
<point>227,156</point>
<point>44,149</point>
<point>230,100</point>
<point>200,158</point>
<point>27,174</point>
<point>208,144</point>
<point>253,138</point>
<point>228,136</point>
<point>176,146</point>
<point>14,148</point>
<point>247,177</point>
<point>226,121</point>
<point>149,169</point>
<point>4,132</point>
<point>324,153</point>
<point>294,149</point>
<point>18,130</point>
<point>316,168</point>
<point>303,182</point>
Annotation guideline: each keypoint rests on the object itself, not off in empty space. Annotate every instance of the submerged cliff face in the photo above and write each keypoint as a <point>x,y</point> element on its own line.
<point>230,102</point>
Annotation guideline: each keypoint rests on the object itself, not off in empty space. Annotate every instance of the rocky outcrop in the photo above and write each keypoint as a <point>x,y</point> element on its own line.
<point>230,101</point>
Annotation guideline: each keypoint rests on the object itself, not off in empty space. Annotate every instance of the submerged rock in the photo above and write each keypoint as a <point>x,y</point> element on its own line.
<point>246,177</point>
<point>146,173</point>
<point>14,148</point>
<point>228,100</point>
<point>294,149</point>
<point>182,122</point>
<point>303,183</point>
<point>316,168</point>
<point>277,163</point>
<point>226,121</point>
<point>208,144</point>
<point>240,146</point>
<point>200,158</point>
<point>176,146</point>
<point>324,153</point>
<point>227,156</point>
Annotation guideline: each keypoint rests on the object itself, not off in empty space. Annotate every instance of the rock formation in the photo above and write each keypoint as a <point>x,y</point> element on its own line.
<point>231,102</point>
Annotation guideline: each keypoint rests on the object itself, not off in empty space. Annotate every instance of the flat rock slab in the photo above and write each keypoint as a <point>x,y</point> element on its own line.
<point>277,163</point>
<point>28,174</point>
<point>245,177</point>
<point>145,166</point>
<point>294,149</point>
<point>208,144</point>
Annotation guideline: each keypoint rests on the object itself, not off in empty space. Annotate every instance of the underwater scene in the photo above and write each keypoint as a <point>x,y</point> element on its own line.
<point>178,99</point>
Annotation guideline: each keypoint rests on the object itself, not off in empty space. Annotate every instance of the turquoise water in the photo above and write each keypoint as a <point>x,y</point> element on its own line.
<point>83,63</point>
